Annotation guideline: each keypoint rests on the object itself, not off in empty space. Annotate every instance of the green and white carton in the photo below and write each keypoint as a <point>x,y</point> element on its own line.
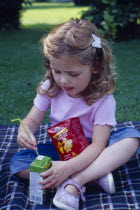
<point>39,165</point>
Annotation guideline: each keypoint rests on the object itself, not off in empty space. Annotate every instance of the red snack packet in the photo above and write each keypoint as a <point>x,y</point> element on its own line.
<point>68,138</point>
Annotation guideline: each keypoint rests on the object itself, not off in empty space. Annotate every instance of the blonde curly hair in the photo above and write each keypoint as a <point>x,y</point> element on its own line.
<point>74,38</point>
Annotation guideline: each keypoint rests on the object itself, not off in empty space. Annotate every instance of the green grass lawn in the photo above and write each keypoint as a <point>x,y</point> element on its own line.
<point>21,63</point>
<point>50,13</point>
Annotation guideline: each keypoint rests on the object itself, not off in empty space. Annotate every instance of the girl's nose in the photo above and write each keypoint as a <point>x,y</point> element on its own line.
<point>64,79</point>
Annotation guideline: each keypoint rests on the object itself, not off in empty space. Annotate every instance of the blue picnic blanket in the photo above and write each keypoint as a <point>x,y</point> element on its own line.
<point>14,194</point>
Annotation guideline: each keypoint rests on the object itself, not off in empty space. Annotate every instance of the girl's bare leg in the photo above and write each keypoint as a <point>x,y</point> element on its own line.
<point>24,173</point>
<point>110,159</point>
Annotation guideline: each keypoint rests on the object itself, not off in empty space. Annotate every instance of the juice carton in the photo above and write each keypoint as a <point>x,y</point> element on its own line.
<point>68,138</point>
<point>39,165</point>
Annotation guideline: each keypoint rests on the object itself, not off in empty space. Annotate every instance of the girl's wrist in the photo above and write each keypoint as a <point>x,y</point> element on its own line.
<point>20,129</point>
<point>24,130</point>
<point>72,167</point>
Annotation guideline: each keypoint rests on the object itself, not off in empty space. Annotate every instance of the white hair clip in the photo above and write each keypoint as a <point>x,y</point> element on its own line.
<point>97,41</point>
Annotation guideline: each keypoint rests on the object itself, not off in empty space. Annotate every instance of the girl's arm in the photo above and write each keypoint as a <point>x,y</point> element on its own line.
<point>32,122</point>
<point>101,134</point>
<point>61,170</point>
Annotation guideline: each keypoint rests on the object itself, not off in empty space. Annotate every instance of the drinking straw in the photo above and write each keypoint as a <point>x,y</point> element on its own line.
<point>25,129</point>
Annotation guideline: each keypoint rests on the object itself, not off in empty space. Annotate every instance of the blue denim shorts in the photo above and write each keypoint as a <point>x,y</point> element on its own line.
<point>24,158</point>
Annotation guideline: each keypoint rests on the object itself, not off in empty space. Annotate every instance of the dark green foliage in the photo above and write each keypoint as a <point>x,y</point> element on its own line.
<point>10,14</point>
<point>117,19</point>
<point>83,2</point>
<point>43,0</point>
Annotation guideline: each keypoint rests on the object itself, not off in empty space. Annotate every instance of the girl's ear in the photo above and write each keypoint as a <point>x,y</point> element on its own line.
<point>95,71</point>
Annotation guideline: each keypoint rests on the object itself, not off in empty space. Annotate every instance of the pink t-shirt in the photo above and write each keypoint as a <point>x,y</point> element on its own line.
<point>63,107</point>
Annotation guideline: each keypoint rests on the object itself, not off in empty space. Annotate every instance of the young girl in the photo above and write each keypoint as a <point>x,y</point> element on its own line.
<point>79,83</point>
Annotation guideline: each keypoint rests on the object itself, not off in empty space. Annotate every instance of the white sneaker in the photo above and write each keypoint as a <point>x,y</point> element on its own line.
<point>107,183</point>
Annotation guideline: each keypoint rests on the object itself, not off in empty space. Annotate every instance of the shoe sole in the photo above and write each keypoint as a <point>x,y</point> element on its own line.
<point>111,184</point>
<point>61,205</point>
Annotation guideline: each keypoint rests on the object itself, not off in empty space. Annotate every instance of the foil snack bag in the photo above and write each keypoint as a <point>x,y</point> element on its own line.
<point>68,138</point>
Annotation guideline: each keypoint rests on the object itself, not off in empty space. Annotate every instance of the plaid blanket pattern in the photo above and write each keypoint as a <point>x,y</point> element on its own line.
<point>14,194</point>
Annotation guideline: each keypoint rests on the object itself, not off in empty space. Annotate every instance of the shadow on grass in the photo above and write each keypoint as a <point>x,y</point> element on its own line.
<point>30,30</point>
<point>38,27</point>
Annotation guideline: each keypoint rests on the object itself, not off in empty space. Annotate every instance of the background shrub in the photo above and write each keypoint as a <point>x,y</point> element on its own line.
<point>83,2</point>
<point>117,19</point>
<point>10,14</point>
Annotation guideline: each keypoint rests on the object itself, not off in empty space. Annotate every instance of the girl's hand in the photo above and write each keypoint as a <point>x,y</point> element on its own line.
<point>53,177</point>
<point>28,126</point>
<point>24,141</point>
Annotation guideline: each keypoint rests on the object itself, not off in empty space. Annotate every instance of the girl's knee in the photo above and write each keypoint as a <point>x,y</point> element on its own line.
<point>23,174</point>
<point>133,142</point>
<point>127,144</point>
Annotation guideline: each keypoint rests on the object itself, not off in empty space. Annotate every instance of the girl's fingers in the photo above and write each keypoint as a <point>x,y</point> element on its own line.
<point>51,184</point>
<point>24,141</point>
<point>46,173</point>
<point>33,140</point>
<point>46,180</point>
<point>30,141</point>
<point>26,144</point>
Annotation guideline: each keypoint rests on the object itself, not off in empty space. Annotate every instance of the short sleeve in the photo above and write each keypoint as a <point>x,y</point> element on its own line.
<point>42,102</point>
<point>105,114</point>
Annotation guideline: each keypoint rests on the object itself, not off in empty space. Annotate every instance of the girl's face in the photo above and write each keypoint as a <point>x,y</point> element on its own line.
<point>72,76</point>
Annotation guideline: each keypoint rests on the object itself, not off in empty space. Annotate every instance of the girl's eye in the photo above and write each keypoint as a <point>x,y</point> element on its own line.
<point>56,71</point>
<point>74,75</point>
<point>70,73</point>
